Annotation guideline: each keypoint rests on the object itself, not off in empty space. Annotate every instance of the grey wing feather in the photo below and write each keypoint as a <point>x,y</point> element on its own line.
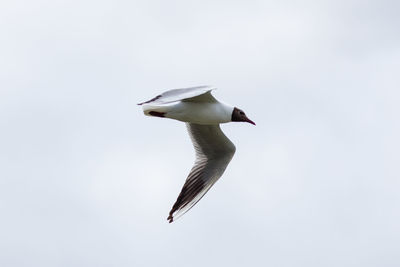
<point>214,151</point>
<point>199,93</point>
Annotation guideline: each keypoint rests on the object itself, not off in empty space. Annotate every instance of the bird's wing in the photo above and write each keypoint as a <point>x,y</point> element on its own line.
<point>198,94</point>
<point>214,151</point>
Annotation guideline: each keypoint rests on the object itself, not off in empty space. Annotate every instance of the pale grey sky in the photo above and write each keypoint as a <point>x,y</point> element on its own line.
<point>87,180</point>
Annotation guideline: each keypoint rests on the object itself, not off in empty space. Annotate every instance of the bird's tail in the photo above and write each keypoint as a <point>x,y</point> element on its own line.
<point>155,111</point>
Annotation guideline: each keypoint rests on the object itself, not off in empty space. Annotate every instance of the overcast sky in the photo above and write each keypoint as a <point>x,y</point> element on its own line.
<point>87,180</point>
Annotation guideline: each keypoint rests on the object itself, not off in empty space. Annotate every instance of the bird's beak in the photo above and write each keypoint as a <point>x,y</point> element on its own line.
<point>250,121</point>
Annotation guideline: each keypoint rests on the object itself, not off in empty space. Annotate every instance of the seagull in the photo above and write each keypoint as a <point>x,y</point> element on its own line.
<point>202,114</point>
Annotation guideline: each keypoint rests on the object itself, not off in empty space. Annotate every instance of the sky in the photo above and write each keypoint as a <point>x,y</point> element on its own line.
<point>87,180</point>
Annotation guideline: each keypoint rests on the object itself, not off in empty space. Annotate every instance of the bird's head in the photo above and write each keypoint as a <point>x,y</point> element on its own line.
<point>239,115</point>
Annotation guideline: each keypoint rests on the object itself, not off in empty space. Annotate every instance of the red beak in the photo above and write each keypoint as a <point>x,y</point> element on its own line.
<point>250,121</point>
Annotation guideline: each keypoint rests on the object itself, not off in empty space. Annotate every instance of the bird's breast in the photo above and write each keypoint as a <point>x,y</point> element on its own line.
<point>200,113</point>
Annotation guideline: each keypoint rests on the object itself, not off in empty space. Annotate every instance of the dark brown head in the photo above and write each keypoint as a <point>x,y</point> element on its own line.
<point>239,115</point>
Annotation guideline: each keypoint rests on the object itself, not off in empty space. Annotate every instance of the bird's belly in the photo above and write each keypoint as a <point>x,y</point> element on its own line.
<point>200,113</point>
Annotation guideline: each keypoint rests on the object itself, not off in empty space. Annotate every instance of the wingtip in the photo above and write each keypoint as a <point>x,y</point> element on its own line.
<point>151,100</point>
<point>170,219</point>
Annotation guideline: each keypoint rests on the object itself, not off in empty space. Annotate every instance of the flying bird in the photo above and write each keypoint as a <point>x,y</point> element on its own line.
<point>202,114</point>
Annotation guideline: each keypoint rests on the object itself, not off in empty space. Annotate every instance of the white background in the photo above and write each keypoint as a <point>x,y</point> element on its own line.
<point>87,180</point>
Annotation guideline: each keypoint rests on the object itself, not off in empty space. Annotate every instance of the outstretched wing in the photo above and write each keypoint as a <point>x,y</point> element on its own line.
<point>199,93</point>
<point>214,151</point>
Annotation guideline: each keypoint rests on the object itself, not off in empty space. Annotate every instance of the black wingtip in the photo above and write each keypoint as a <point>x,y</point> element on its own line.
<point>151,100</point>
<point>157,114</point>
<point>170,219</point>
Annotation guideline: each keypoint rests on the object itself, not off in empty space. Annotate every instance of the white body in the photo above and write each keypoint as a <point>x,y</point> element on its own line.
<point>206,113</point>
